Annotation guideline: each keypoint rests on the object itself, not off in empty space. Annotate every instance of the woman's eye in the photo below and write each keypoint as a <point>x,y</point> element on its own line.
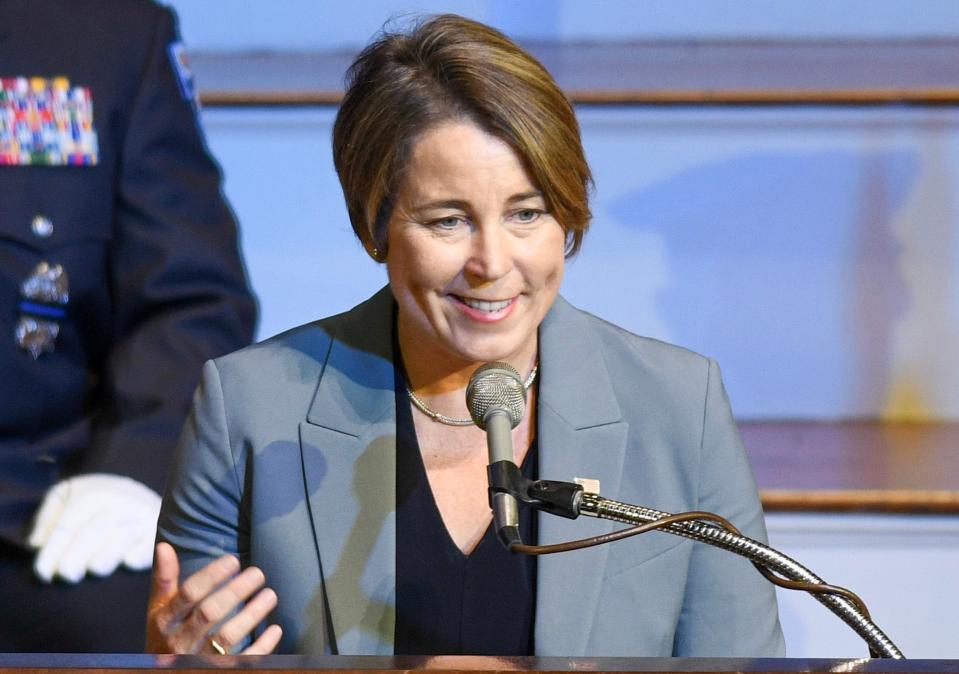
<point>527,215</point>
<point>449,222</point>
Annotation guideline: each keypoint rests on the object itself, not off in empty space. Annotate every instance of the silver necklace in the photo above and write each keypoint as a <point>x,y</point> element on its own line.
<point>451,421</point>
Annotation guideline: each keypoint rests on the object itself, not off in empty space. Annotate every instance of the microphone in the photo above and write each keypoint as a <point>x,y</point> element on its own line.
<point>496,399</point>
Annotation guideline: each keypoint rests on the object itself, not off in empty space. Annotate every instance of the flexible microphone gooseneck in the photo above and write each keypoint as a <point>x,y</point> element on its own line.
<point>496,399</point>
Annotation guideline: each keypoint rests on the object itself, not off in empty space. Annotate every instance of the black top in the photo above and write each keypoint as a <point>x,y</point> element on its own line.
<point>448,603</point>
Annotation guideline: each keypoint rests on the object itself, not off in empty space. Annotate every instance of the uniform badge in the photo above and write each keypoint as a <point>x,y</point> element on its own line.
<point>46,122</point>
<point>184,76</point>
<point>44,295</point>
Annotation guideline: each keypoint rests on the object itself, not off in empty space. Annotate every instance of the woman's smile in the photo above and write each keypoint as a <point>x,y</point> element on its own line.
<point>484,311</point>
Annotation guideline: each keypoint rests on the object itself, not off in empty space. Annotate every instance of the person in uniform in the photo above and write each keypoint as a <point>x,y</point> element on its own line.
<point>119,276</point>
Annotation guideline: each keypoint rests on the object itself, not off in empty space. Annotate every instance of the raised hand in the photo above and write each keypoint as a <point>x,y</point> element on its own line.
<point>212,611</point>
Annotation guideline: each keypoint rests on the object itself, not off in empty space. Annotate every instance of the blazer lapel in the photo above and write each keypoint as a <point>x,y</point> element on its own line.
<point>348,447</point>
<point>580,434</point>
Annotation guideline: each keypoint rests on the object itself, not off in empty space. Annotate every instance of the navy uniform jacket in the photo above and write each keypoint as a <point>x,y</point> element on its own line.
<point>146,239</point>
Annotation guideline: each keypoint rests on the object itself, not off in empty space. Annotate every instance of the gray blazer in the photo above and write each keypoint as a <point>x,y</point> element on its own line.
<point>288,460</point>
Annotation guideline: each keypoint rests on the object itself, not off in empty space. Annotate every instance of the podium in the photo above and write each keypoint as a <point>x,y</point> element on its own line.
<point>33,663</point>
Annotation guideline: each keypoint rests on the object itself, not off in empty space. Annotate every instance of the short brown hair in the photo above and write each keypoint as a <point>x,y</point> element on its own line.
<point>448,67</point>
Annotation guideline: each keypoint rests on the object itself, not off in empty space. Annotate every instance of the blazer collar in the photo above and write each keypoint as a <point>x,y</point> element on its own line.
<point>576,383</point>
<point>356,385</point>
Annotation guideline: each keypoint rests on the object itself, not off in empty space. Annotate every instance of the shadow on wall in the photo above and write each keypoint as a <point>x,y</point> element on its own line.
<point>786,268</point>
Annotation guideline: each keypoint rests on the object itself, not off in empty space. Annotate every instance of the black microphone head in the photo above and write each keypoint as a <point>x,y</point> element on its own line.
<point>496,386</point>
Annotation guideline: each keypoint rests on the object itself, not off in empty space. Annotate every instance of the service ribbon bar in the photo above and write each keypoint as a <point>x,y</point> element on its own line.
<point>45,122</point>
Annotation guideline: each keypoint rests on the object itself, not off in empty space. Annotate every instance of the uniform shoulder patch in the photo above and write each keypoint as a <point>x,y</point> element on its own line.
<point>181,68</point>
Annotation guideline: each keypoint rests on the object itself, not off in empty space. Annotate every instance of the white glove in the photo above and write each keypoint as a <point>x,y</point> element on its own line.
<point>94,523</point>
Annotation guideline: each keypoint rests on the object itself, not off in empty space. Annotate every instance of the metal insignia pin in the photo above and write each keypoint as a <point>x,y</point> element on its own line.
<point>48,284</point>
<point>41,226</point>
<point>37,336</point>
<point>44,295</point>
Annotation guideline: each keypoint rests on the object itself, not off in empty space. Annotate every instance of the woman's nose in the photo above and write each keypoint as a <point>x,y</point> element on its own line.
<point>490,254</point>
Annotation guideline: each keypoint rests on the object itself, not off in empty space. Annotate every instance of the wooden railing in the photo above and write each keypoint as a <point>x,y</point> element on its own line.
<point>865,466</point>
<point>849,73</point>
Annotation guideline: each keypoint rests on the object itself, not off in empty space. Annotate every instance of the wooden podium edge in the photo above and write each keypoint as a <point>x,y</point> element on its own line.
<point>273,664</point>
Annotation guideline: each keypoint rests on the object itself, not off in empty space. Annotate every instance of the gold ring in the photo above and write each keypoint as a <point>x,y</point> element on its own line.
<point>217,647</point>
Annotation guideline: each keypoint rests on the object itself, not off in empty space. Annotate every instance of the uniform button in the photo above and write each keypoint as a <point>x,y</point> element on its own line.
<point>41,226</point>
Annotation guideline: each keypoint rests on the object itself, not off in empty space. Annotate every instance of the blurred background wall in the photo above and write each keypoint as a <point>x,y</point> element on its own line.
<point>812,249</point>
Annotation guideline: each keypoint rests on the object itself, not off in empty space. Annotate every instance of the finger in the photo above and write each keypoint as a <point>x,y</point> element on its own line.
<point>84,545</point>
<point>266,643</point>
<point>236,629</point>
<point>98,547</point>
<point>47,516</point>
<point>45,563</point>
<point>81,505</point>
<point>164,582</point>
<point>78,518</point>
<point>51,555</point>
<point>115,548</point>
<point>218,605</point>
<point>138,557</point>
<point>166,574</point>
<point>197,587</point>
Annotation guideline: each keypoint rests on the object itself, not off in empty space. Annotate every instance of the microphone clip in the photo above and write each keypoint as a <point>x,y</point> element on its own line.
<point>551,496</point>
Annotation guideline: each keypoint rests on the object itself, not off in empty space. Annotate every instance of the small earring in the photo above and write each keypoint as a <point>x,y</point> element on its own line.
<point>375,252</point>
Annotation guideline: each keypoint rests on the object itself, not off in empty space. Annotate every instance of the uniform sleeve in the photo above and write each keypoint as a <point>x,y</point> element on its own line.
<point>729,609</point>
<point>178,286</point>
<point>202,514</point>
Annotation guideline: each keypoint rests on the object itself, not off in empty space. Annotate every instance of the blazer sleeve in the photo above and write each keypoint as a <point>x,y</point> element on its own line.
<point>729,609</point>
<point>202,514</point>
<point>177,282</point>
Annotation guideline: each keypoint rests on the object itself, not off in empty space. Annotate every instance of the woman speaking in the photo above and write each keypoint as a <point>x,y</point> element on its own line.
<point>330,482</point>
